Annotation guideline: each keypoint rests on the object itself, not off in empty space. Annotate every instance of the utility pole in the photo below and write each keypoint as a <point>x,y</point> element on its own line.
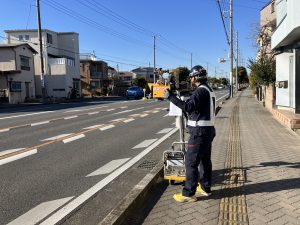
<point>231,52</point>
<point>191,60</point>
<point>41,49</point>
<point>154,68</point>
<point>237,62</point>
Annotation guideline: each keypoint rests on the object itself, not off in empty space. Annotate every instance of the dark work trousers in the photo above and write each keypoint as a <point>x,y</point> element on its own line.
<point>198,149</point>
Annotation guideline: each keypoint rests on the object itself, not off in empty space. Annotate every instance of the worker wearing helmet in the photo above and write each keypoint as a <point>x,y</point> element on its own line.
<point>200,108</point>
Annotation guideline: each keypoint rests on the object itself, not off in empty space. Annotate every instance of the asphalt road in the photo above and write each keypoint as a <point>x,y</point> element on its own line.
<point>77,157</point>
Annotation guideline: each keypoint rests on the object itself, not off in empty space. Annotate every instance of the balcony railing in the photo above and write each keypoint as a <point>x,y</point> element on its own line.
<point>61,61</point>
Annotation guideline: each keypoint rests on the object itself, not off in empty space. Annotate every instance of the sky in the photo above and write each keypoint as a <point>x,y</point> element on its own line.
<point>121,32</point>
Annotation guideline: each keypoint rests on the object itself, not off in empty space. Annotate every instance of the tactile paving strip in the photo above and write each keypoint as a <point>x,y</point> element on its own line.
<point>233,207</point>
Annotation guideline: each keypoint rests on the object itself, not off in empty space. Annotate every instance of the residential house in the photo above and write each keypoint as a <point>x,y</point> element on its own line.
<point>267,27</point>
<point>61,60</point>
<point>17,72</point>
<point>286,44</point>
<point>146,72</point>
<point>266,94</point>
<point>93,73</point>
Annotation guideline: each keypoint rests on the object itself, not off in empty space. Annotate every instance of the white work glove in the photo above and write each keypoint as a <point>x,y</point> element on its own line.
<point>167,94</point>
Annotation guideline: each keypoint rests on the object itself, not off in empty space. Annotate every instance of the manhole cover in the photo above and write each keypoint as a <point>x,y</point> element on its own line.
<point>148,164</point>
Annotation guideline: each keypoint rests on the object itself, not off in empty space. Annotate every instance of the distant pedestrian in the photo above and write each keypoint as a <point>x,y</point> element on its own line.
<point>200,108</point>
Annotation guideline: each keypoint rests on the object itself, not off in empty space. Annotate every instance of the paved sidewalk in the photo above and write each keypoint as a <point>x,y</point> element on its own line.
<point>256,169</point>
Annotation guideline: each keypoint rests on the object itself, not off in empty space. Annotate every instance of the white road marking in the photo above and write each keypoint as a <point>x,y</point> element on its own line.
<point>117,120</point>
<point>39,212</point>
<point>222,97</point>
<point>106,127</point>
<point>73,205</point>
<point>145,143</point>
<point>124,107</point>
<point>4,130</point>
<point>79,110</point>
<point>154,111</point>
<point>164,131</point>
<point>143,115</point>
<point>92,113</point>
<point>109,167</point>
<point>30,114</point>
<point>57,137</point>
<point>18,156</point>
<point>40,123</point>
<point>129,110</point>
<point>166,115</point>
<point>70,117</point>
<point>110,110</point>
<point>128,120</point>
<point>10,151</point>
<point>92,127</point>
<point>67,140</point>
<point>135,115</point>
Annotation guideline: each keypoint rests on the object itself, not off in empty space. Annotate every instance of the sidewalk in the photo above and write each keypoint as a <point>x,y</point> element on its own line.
<point>256,174</point>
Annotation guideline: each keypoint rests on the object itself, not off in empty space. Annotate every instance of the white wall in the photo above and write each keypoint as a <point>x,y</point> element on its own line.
<point>283,71</point>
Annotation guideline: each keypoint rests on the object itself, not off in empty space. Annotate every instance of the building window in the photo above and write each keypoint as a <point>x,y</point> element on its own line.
<point>25,63</point>
<point>21,38</point>
<point>49,39</point>
<point>27,37</point>
<point>15,86</point>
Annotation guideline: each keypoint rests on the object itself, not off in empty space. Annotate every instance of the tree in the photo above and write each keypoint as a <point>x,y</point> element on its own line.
<point>242,75</point>
<point>140,81</point>
<point>181,74</point>
<point>263,70</point>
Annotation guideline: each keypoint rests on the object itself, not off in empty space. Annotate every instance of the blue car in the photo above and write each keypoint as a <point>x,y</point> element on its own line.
<point>134,92</point>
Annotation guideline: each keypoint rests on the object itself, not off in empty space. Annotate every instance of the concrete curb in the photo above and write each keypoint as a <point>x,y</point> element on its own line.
<point>134,198</point>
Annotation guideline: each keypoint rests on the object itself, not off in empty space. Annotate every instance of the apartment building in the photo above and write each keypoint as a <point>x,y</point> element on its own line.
<point>61,60</point>
<point>17,82</point>
<point>286,44</point>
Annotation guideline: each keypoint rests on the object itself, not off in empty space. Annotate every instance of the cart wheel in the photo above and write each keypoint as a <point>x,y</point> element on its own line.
<point>171,182</point>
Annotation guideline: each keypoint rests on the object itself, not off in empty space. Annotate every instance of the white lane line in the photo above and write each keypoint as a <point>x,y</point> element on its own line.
<point>39,212</point>
<point>117,120</point>
<point>18,156</point>
<point>129,110</point>
<point>10,151</point>
<point>166,115</point>
<point>57,137</point>
<point>164,131</point>
<point>67,140</point>
<point>154,111</point>
<point>222,96</point>
<point>106,127</point>
<point>144,115</point>
<point>109,167</point>
<point>128,120</point>
<point>29,114</point>
<point>145,143</point>
<point>4,130</point>
<point>77,202</point>
<point>93,113</point>
<point>108,110</point>
<point>70,117</point>
<point>135,115</point>
<point>124,107</point>
<point>80,110</point>
<point>39,123</point>
<point>92,127</point>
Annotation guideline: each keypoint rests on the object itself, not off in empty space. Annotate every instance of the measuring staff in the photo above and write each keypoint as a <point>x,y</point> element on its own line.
<point>200,108</point>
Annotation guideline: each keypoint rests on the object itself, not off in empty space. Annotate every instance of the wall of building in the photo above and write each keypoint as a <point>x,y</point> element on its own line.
<point>7,59</point>
<point>285,71</point>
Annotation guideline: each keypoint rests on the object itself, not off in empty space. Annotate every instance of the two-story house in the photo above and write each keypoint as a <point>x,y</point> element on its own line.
<point>286,43</point>
<point>60,56</point>
<point>93,73</point>
<point>17,72</point>
<point>146,72</point>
